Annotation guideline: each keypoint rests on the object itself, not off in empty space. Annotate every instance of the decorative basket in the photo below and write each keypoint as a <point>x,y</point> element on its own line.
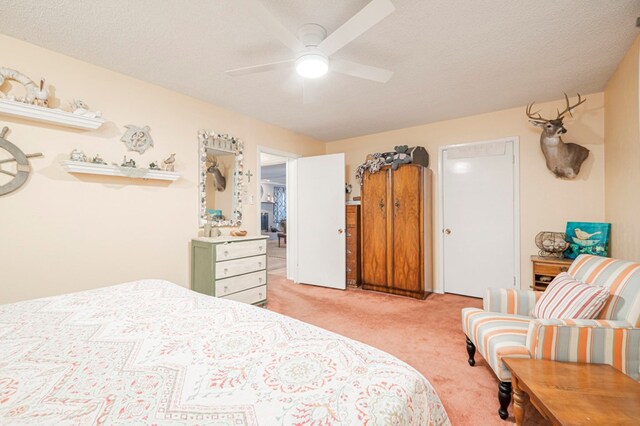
<point>551,244</point>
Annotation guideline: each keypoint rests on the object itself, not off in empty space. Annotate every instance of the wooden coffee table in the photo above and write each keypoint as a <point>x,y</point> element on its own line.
<point>574,394</point>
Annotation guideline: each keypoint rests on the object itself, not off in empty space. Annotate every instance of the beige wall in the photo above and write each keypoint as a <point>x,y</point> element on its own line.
<point>546,203</point>
<point>622,153</point>
<point>63,232</point>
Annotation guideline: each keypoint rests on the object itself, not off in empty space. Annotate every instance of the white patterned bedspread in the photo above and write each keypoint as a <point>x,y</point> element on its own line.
<point>152,352</point>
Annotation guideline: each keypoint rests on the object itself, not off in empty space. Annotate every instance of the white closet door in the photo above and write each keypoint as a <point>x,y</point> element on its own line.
<point>479,185</point>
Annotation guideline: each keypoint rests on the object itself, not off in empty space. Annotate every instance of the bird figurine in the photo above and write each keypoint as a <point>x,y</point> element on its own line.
<point>585,235</point>
<point>169,163</point>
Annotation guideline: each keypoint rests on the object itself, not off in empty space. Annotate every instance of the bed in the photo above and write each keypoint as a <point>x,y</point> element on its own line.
<point>152,352</point>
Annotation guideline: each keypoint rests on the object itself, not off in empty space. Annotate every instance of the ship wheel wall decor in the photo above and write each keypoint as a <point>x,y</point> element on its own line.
<point>22,166</point>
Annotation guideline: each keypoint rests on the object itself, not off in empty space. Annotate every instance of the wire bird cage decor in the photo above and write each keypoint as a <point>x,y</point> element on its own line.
<point>551,244</point>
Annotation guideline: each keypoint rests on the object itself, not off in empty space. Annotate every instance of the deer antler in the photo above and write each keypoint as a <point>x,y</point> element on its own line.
<point>212,161</point>
<point>570,107</point>
<point>535,116</point>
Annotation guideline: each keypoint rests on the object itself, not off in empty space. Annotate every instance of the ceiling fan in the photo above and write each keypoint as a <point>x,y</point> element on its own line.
<point>313,48</point>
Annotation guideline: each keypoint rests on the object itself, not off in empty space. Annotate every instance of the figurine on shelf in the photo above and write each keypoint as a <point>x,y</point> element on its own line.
<point>42,95</point>
<point>154,166</point>
<point>77,155</point>
<point>79,107</point>
<point>169,163</point>
<point>128,163</point>
<point>26,82</point>
<point>98,160</point>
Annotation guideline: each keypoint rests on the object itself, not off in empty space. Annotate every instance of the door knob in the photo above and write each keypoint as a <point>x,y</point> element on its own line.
<point>381,204</point>
<point>447,231</point>
<point>397,204</point>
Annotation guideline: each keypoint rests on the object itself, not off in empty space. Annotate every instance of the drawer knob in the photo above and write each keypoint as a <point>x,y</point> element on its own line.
<point>260,279</point>
<point>260,264</point>
<point>226,252</point>
<point>226,288</point>
<point>226,270</point>
<point>564,269</point>
<point>260,294</point>
<point>260,248</point>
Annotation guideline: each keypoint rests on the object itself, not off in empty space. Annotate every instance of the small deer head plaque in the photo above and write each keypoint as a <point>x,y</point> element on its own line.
<point>563,159</point>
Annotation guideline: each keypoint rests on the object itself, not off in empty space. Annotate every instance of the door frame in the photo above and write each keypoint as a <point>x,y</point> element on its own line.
<point>292,204</point>
<point>516,209</point>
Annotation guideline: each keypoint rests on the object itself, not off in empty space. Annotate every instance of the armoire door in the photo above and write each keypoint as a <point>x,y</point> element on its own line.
<point>374,226</point>
<point>407,189</point>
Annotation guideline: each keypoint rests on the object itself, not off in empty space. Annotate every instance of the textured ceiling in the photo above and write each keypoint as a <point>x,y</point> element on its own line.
<point>450,58</point>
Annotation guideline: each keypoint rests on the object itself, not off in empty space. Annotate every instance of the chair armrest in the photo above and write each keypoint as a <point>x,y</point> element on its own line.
<point>510,301</point>
<point>616,343</point>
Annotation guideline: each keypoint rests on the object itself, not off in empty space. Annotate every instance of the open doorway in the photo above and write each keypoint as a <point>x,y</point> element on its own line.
<point>272,194</point>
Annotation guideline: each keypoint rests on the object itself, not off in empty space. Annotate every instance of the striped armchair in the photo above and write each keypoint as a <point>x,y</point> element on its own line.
<point>505,328</point>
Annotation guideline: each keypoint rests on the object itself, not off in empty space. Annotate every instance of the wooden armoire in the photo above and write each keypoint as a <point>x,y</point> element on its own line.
<point>396,231</point>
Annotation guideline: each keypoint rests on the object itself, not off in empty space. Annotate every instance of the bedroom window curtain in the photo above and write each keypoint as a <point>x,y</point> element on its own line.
<point>279,204</point>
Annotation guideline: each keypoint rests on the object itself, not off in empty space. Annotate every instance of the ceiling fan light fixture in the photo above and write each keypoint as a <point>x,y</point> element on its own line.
<point>312,65</point>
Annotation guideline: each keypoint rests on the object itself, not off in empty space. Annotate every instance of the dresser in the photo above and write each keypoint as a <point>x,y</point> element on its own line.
<point>353,245</point>
<point>230,267</point>
<point>396,231</point>
<point>545,269</point>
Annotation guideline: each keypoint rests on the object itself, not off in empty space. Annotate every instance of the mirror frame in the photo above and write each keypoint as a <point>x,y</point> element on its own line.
<point>225,143</point>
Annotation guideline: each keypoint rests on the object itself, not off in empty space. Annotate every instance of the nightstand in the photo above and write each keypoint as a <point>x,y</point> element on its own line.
<point>545,269</point>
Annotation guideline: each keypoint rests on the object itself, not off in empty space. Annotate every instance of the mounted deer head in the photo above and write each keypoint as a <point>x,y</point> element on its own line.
<point>563,159</point>
<point>219,181</point>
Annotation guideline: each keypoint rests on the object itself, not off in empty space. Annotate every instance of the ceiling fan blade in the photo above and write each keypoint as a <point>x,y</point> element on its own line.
<point>276,28</point>
<point>355,69</point>
<point>368,16</point>
<point>260,68</point>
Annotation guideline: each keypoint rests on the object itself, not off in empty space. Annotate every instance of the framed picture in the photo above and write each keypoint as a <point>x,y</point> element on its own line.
<point>587,238</point>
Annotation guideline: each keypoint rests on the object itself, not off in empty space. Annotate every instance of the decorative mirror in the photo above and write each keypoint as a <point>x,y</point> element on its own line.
<point>221,179</point>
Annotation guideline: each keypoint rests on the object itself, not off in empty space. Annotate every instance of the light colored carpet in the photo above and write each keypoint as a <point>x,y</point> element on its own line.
<point>424,333</point>
<point>277,258</point>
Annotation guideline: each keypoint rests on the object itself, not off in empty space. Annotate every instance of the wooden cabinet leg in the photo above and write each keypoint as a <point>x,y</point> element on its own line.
<point>519,401</point>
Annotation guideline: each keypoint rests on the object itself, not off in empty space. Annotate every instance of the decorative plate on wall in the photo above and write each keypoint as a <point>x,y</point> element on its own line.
<point>137,138</point>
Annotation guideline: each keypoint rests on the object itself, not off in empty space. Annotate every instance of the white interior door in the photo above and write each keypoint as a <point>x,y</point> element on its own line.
<point>321,221</point>
<point>480,217</point>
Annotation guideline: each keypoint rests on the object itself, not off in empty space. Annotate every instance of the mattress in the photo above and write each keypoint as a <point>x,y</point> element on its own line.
<point>152,352</point>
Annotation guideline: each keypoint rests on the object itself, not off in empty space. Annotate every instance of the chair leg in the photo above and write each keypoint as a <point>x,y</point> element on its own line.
<point>471,350</point>
<point>504,396</point>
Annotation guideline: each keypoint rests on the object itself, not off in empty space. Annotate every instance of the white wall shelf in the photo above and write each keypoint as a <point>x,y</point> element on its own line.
<point>49,115</point>
<point>111,170</point>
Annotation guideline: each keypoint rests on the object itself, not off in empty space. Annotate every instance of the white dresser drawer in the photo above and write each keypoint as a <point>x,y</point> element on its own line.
<point>231,268</point>
<point>232,285</point>
<point>251,296</point>
<point>238,249</point>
